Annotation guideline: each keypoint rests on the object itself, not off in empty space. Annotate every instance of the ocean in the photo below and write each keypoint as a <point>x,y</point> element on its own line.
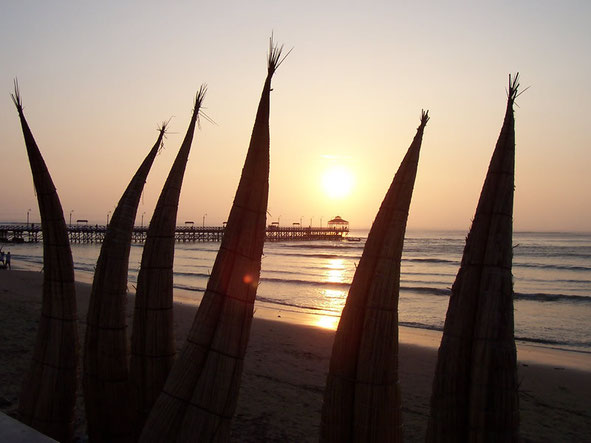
<point>551,272</point>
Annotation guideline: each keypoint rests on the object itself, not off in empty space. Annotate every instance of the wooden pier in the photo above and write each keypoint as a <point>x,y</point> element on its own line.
<point>84,233</point>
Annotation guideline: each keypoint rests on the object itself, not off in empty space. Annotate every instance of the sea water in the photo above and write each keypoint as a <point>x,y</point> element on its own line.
<point>551,272</point>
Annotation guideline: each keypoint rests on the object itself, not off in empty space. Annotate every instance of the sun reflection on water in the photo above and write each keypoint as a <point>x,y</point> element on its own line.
<point>333,299</point>
<point>335,273</point>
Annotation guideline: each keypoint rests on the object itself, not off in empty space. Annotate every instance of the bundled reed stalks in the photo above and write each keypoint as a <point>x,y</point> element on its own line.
<point>474,395</point>
<point>200,394</point>
<point>49,388</point>
<point>152,339</point>
<point>362,395</point>
<point>105,376</point>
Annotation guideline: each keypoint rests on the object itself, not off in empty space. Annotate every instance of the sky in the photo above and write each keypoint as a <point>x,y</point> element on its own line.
<point>97,78</point>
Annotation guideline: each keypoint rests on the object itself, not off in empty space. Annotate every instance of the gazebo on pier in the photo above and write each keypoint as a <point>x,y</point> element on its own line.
<point>338,223</point>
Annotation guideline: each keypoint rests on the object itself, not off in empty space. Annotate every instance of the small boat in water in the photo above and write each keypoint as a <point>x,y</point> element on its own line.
<point>353,238</point>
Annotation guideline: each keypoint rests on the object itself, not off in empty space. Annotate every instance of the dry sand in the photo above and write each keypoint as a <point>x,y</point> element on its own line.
<point>286,365</point>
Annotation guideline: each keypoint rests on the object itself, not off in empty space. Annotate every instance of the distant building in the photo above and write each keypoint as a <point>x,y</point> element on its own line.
<point>338,223</point>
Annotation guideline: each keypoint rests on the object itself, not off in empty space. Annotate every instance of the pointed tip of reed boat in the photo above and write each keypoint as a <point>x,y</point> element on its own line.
<point>16,97</point>
<point>424,118</point>
<point>275,58</point>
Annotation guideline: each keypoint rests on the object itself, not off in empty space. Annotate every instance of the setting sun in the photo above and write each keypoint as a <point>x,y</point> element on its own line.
<point>338,182</point>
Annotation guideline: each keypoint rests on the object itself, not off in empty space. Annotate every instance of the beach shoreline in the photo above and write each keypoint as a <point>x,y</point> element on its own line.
<point>286,365</point>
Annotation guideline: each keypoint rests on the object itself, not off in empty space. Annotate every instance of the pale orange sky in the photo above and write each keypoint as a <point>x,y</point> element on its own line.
<point>96,79</point>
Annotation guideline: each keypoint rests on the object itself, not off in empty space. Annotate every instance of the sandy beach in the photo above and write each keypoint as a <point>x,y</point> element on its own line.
<point>286,365</point>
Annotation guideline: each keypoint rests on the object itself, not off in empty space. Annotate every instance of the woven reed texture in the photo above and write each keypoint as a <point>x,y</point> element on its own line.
<point>200,394</point>
<point>48,392</point>
<point>106,372</point>
<point>152,339</point>
<point>474,395</point>
<point>362,395</point>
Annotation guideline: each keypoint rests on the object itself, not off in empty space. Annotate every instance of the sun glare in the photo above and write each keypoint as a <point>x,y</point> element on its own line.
<point>337,182</point>
<point>328,322</point>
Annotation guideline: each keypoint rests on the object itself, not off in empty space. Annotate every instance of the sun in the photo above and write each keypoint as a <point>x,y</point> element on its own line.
<point>338,182</point>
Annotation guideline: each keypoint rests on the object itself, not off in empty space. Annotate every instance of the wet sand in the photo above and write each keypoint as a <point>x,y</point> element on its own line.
<point>286,365</point>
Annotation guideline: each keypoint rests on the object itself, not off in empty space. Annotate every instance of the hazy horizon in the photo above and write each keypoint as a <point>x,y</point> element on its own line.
<point>97,79</point>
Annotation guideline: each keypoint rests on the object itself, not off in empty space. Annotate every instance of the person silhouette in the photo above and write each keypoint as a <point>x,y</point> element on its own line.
<point>7,259</point>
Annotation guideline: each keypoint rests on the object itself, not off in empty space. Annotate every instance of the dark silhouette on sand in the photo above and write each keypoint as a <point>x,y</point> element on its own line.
<point>474,395</point>
<point>152,339</point>
<point>362,395</point>
<point>49,389</point>
<point>200,394</point>
<point>105,377</point>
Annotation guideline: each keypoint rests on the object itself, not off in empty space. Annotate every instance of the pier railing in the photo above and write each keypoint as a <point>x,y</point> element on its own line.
<point>85,233</point>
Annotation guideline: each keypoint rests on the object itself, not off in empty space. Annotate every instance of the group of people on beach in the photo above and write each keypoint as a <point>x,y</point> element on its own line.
<point>4,259</point>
